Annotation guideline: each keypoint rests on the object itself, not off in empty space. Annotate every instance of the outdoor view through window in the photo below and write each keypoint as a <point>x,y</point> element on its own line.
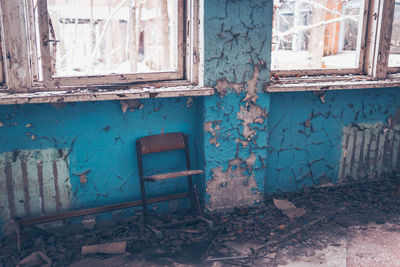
<point>394,56</point>
<point>316,34</point>
<point>102,37</point>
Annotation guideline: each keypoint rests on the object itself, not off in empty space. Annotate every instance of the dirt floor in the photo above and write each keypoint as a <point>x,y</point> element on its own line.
<point>357,225</point>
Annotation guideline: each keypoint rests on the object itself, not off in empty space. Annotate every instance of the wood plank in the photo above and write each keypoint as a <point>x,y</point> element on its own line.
<point>170,175</point>
<point>83,212</point>
<point>76,94</point>
<point>108,248</point>
<point>16,49</point>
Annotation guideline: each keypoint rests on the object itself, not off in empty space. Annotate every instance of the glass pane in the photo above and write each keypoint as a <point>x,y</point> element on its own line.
<point>1,66</point>
<point>315,34</point>
<point>394,56</point>
<point>100,37</point>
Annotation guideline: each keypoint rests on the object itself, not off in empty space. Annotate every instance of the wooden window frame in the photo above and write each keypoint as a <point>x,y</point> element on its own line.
<point>55,81</point>
<point>22,62</point>
<point>374,38</point>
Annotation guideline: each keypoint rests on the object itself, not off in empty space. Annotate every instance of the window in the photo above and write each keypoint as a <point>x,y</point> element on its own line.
<point>104,42</point>
<point>70,44</point>
<point>314,37</point>
<point>2,71</point>
<point>394,56</point>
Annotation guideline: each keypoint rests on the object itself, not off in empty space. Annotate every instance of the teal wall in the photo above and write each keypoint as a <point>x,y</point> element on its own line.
<point>249,142</point>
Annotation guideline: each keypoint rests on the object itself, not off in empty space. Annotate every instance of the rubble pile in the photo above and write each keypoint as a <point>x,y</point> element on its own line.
<point>298,222</point>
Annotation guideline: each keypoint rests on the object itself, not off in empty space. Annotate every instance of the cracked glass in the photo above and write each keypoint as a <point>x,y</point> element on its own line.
<point>315,34</point>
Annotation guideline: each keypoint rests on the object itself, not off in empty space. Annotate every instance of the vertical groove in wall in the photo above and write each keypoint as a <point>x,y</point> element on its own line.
<point>10,191</point>
<point>41,193</point>
<point>369,151</point>
<point>56,190</point>
<point>26,188</point>
<point>33,183</point>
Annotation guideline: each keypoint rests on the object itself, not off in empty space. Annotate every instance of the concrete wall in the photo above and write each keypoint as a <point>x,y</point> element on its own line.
<point>249,142</point>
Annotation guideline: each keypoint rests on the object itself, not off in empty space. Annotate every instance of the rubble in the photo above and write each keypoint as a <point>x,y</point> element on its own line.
<point>246,236</point>
<point>109,248</point>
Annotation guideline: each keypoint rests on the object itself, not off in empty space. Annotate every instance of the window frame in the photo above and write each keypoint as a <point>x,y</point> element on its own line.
<point>55,81</point>
<point>18,19</point>
<point>371,43</point>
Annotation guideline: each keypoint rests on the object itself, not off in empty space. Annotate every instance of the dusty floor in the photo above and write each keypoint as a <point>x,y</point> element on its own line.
<point>356,225</point>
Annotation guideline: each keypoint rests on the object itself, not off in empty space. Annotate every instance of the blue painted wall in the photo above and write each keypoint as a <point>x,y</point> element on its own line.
<point>248,142</point>
<point>305,141</point>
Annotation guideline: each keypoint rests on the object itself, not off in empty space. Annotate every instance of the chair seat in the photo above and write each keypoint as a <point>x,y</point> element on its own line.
<point>170,175</point>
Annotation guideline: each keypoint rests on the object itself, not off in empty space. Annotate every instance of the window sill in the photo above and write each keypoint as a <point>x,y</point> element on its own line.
<point>316,83</point>
<point>102,93</point>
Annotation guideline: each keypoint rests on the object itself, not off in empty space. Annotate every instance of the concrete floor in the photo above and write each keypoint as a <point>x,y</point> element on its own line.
<point>368,245</point>
<point>356,225</point>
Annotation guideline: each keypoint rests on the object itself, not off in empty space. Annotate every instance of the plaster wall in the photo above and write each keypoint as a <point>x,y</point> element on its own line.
<point>249,142</point>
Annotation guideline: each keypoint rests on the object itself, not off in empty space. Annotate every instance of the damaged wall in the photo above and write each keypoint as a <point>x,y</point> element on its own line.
<point>92,145</point>
<point>249,142</point>
<point>313,143</point>
<point>237,45</point>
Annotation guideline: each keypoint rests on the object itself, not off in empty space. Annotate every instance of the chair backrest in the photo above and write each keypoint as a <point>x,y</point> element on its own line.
<point>161,143</point>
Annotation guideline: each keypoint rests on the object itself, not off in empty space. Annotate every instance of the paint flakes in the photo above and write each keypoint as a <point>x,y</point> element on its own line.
<point>83,176</point>
<point>215,131</point>
<point>232,188</point>
<point>252,87</point>
<point>223,85</point>
<point>131,105</point>
<point>189,102</point>
<point>251,113</point>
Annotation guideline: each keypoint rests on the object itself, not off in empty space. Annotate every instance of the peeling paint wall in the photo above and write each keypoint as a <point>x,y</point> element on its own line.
<point>34,183</point>
<point>237,44</point>
<point>249,142</point>
<point>313,143</point>
<point>93,145</point>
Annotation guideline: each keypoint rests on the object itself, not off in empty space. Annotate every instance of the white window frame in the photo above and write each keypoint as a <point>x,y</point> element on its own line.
<point>374,38</point>
<point>22,62</point>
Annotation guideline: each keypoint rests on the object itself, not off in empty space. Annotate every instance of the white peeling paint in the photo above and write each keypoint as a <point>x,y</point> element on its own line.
<point>232,188</point>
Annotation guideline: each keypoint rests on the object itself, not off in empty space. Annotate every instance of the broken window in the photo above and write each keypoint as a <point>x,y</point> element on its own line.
<point>394,56</point>
<point>316,34</point>
<point>109,41</point>
<point>2,78</point>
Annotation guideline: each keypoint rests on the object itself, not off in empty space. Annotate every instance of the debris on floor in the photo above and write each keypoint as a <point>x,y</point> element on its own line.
<point>37,258</point>
<point>315,226</point>
<point>109,248</point>
<point>288,208</point>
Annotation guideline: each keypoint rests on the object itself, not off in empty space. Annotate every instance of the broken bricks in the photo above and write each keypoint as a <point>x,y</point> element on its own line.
<point>109,248</point>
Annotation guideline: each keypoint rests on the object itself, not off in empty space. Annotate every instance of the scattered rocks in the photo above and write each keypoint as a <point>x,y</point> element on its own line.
<point>248,236</point>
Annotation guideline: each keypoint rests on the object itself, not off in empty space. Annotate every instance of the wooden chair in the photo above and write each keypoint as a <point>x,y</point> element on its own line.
<point>161,143</point>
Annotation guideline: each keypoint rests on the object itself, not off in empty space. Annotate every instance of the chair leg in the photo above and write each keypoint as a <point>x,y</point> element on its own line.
<point>191,194</point>
<point>196,195</point>
<point>19,237</point>
<point>144,200</point>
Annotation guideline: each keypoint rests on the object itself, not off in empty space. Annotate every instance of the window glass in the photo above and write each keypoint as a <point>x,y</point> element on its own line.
<point>102,37</point>
<point>315,34</point>
<point>2,80</point>
<point>394,56</point>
